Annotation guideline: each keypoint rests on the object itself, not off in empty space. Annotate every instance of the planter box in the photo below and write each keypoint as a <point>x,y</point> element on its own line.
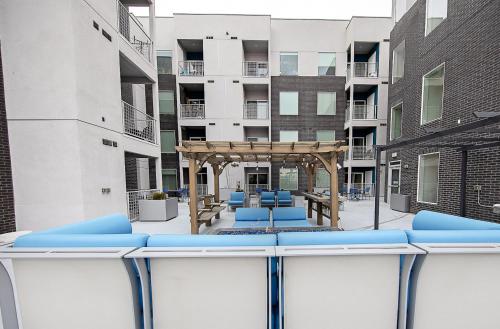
<point>158,210</point>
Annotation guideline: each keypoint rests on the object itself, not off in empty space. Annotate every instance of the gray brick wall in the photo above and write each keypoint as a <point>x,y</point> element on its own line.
<point>307,122</point>
<point>468,42</point>
<point>7,216</point>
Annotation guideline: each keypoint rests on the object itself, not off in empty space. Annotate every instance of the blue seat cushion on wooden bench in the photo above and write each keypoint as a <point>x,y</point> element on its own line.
<point>292,223</point>
<point>341,237</point>
<point>111,224</point>
<point>453,236</point>
<point>293,213</point>
<point>430,220</point>
<point>252,214</point>
<point>81,240</point>
<point>187,240</point>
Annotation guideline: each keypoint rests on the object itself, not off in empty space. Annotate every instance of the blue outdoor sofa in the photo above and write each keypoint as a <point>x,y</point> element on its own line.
<point>251,217</point>
<point>267,199</point>
<point>290,217</point>
<point>284,199</point>
<point>236,199</point>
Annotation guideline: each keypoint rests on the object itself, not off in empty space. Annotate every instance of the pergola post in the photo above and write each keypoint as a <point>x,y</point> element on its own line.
<point>217,172</point>
<point>310,177</point>
<point>193,196</point>
<point>334,192</point>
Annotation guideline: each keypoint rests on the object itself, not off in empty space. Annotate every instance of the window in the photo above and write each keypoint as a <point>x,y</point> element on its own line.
<point>166,102</point>
<point>326,64</point>
<point>396,114</point>
<point>400,7</point>
<point>289,103</point>
<point>289,179</point>
<point>398,62</point>
<point>428,178</point>
<point>435,13</point>
<point>289,136</point>
<point>432,95</point>
<point>327,103</point>
<point>164,61</point>
<point>169,178</point>
<point>322,178</point>
<point>325,135</point>
<point>168,141</point>
<point>289,64</point>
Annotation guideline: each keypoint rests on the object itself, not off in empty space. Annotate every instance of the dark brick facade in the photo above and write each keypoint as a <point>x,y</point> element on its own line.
<point>7,216</point>
<point>307,122</point>
<point>468,42</point>
<point>169,122</point>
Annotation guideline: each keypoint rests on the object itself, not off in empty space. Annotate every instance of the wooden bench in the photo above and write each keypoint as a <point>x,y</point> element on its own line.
<point>205,215</point>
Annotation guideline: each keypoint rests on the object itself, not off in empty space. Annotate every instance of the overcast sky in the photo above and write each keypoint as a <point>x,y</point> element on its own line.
<point>339,9</point>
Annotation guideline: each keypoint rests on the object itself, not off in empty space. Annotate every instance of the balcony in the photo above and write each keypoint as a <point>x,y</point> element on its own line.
<point>256,111</point>
<point>363,70</point>
<point>255,69</point>
<point>361,112</point>
<point>132,30</point>
<point>361,153</point>
<point>192,111</point>
<point>138,124</point>
<point>191,68</point>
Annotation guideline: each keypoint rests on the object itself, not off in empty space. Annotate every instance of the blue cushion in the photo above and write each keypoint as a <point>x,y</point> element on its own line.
<point>251,224</point>
<point>429,220</point>
<point>252,214</point>
<point>458,236</point>
<point>267,202</point>
<point>284,195</point>
<point>187,240</point>
<point>235,203</point>
<point>284,202</point>
<point>81,240</point>
<point>237,196</point>
<point>295,213</point>
<point>341,237</point>
<point>292,223</point>
<point>111,224</point>
<point>268,196</point>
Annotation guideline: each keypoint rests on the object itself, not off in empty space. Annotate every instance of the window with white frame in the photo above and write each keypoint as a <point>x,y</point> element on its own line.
<point>432,95</point>
<point>428,178</point>
<point>436,12</point>
<point>396,121</point>
<point>289,136</point>
<point>322,178</point>
<point>289,179</point>
<point>398,62</point>
<point>289,103</point>
<point>289,63</point>
<point>326,65</point>
<point>167,102</point>
<point>326,103</point>
<point>168,142</point>
<point>164,61</point>
<point>325,135</point>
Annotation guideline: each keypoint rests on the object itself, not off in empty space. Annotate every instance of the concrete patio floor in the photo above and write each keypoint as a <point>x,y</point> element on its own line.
<point>357,215</point>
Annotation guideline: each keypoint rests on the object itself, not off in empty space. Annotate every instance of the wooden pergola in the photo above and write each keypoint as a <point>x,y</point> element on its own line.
<point>308,155</point>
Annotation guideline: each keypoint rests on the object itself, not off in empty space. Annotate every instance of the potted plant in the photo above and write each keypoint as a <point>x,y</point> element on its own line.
<point>158,208</point>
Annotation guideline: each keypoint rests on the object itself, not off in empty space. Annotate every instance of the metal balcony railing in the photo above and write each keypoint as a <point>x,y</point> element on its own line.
<point>201,189</point>
<point>138,123</point>
<point>252,188</point>
<point>192,111</point>
<point>363,70</point>
<point>191,68</point>
<point>255,69</point>
<point>361,153</point>
<point>132,30</point>
<point>259,111</point>
<point>361,112</point>
<point>133,198</point>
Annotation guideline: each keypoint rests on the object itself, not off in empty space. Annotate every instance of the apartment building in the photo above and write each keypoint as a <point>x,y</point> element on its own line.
<point>256,78</point>
<point>81,106</point>
<point>444,68</point>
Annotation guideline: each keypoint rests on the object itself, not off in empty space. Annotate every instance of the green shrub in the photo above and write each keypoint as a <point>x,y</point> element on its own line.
<point>159,196</point>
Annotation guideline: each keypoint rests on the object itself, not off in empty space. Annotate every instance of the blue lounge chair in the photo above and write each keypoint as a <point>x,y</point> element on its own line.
<point>267,199</point>
<point>290,217</point>
<point>252,217</point>
<point>237,199</point>
<point>284,199</point>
